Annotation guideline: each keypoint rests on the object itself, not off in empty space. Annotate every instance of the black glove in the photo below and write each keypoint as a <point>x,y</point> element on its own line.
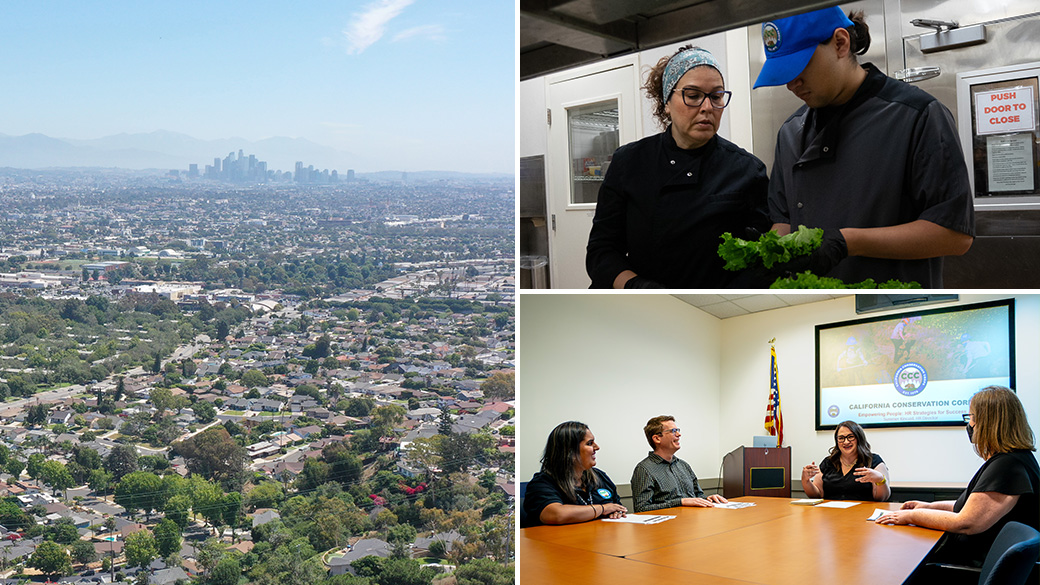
<point>832,250</point>
<point>822,260</point>
<point>640,282</point>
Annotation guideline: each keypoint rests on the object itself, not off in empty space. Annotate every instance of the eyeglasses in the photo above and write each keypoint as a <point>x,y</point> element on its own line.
<point>967,418</point>
<point>695,97</point>
<point>846,438</point>
<point>674,431</point>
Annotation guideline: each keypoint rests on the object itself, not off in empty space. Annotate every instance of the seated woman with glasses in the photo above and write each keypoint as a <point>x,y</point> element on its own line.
<point>1006,488</point>
<point>568,489</point>
<point>850,472</point>
<point>666,199</point>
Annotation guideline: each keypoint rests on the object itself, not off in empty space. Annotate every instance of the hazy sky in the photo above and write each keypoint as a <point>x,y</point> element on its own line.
<point>408,84</point>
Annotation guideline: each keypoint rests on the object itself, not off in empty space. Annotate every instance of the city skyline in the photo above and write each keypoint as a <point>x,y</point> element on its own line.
<point>391,84</point>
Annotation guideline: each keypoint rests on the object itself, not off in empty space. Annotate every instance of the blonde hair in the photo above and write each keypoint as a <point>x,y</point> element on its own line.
<point>1000,422</point>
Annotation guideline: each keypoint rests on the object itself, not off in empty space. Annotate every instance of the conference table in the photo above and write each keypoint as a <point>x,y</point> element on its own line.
<point>773,542</point>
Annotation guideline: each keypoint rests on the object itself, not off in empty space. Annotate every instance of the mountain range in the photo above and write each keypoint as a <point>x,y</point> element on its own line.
<point>165,150</point>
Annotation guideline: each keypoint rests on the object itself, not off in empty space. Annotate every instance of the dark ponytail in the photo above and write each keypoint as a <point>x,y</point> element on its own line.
<point>859,33</point>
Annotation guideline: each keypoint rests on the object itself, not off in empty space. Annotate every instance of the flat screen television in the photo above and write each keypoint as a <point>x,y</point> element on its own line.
<point>917,368</point>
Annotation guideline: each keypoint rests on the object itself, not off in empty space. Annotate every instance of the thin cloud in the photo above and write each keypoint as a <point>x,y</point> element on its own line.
<point>369,25</point>
<point>433,32</point>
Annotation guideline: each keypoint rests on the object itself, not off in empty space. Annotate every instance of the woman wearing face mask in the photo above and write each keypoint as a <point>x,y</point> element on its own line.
<point>667,199</point>
<point>1004,489</point>
<point>569,489</point>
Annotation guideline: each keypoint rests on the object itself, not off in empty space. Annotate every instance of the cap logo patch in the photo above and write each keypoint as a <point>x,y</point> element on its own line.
<point>771,37</point>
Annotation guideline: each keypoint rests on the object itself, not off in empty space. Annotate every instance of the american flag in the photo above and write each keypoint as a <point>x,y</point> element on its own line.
<point>774,418</point>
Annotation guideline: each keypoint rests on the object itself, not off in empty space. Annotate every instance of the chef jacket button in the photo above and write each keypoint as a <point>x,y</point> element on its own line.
<point>799,205</point>
<point>826,149</point>
<point>672,161</point>
<point>689,174</point>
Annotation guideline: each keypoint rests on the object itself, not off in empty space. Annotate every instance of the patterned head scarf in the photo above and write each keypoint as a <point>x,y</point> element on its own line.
<point>682,62</point>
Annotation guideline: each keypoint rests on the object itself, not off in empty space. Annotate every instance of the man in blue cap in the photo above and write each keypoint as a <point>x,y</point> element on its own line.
<point>873,161</point>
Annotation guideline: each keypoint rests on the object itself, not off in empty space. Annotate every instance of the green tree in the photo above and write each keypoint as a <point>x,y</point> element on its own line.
<point>204,411</point>
<point>226,572</point>
<point>140,490</point>
<point>15,467</point>
<point>56,475</point>
<point>404,572</point>
<point>399,537</point>
<point>266,494</point>
<point>63,531</point>
<point>83,552</point>
<point>34,466</point>
<point>121,460</point>
<point>438,549</point>
<point>167,537</point>
<point>499,386</point>
<point>99,480</point>
<point>314,473</point>
<point>231,508</point>
<point>210,553</point>
<point>157,364</point>
<point>388,416</point>
<point>484,572</point>
<point>52,559</point>
<point>160,399</point>
<point>140,548</point>
<point>213,454</point>
<point>254,378</point>
<point>87,457</point>
<point>37,413</point>
<point>460,450</point>
<point>177,509</point>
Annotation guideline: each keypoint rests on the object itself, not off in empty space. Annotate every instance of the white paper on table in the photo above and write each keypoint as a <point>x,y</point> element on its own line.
<point>833,504</point>
<point>639,519</point>
<point>735,505</point>
<point>877,514</point>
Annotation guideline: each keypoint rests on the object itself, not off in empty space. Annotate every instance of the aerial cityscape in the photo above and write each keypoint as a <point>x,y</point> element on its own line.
<point>257,294</point>
<point>271,383</point>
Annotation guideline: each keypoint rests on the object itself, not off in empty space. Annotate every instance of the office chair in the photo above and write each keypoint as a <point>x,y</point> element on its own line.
<point>523,513</point>
<point>1010,561</point>
<point>1012,557</point>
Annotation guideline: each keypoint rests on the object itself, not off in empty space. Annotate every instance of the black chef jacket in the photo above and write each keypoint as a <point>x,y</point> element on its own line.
<point>661,211</point>
<point>887,157</point>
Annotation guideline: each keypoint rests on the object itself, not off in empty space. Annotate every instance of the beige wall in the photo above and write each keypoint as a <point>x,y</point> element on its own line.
<point>612,362</point>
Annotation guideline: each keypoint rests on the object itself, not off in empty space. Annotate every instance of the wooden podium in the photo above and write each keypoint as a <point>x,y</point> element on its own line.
<point>757,471</point>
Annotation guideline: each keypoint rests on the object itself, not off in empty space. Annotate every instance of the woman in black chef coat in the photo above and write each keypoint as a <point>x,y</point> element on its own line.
<point>850,472</point>
<point>666,199</point>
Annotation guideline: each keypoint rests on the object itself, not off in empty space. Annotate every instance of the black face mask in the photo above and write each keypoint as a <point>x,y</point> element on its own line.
<point>971,432</point>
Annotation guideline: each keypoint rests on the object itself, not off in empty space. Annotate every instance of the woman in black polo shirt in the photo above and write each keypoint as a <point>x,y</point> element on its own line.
<point>1005,488</point>
<point>568,489</point>
<point>850,472</point>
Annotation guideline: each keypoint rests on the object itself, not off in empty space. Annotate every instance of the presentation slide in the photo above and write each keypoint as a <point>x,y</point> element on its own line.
<point>915,369</point>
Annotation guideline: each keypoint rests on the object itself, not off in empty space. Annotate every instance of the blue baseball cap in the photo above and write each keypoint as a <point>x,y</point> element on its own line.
<point>790,43</point>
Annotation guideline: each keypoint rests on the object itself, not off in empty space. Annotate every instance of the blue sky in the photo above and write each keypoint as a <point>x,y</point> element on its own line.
<point>405,84</point>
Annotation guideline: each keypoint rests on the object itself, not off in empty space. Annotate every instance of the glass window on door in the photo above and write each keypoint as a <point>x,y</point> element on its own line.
<point>1005,141</point>
<point>593,137</point>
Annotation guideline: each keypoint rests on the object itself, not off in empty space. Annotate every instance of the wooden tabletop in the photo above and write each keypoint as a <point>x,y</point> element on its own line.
<point>544,563</point>
<point>772,542</point>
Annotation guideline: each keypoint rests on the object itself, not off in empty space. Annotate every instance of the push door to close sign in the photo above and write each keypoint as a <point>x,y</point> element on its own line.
<point>1004,110</point>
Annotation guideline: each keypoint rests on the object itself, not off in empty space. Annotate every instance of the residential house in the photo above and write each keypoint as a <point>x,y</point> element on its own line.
<point>340,565</point>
